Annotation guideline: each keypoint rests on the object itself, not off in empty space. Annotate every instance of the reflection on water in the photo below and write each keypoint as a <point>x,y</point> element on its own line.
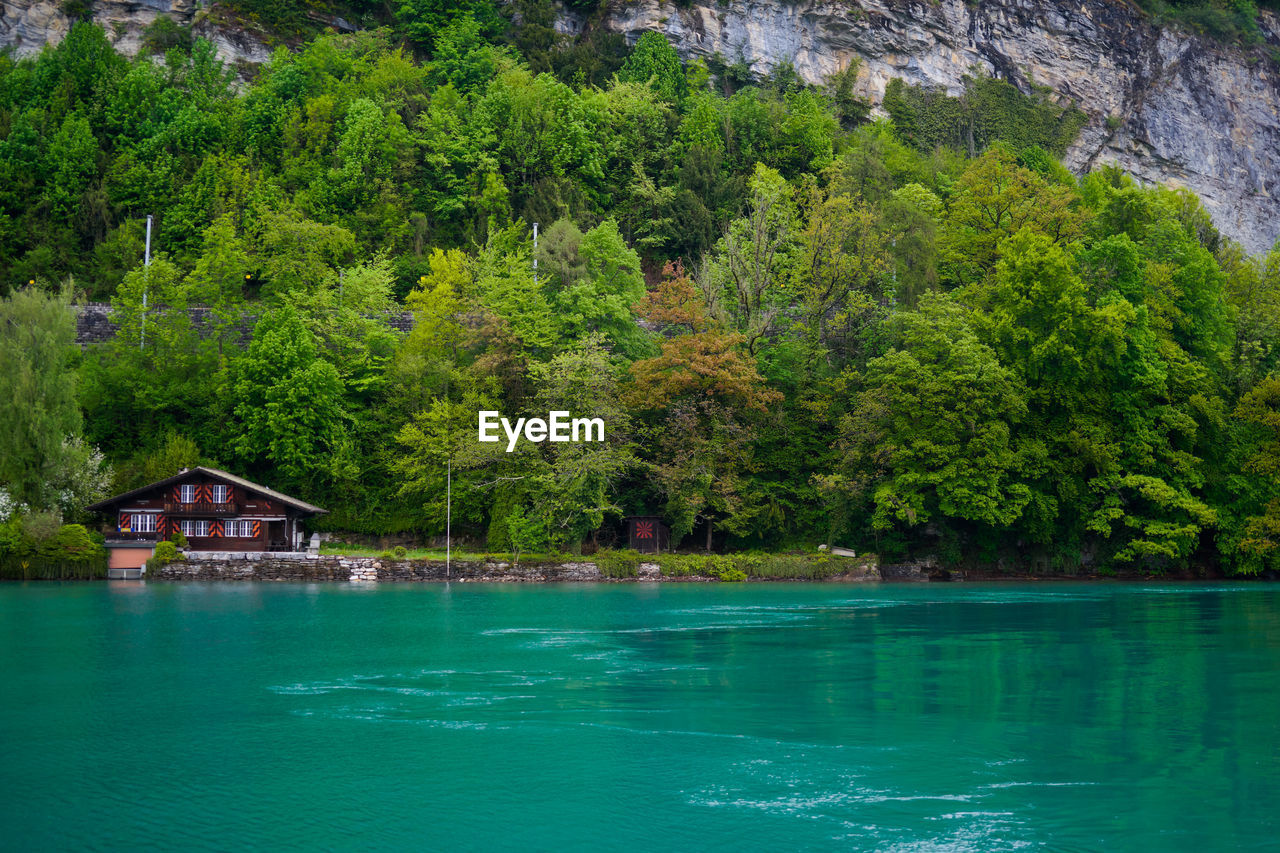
<point>1054,717</point>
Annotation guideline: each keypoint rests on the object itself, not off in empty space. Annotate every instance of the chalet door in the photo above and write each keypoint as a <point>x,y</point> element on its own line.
<point>275,535</point>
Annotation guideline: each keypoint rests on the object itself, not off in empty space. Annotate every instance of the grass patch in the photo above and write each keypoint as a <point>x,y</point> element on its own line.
<point>342,549</point>
<point>1227,21</point>
<point>22,569</point>
<point>754,565</point>
<point>622,564</point>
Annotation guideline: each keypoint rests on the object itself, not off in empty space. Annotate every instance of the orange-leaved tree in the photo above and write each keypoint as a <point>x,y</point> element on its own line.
<point>702,398</point>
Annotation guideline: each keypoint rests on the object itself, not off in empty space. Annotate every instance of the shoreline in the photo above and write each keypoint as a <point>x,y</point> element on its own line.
<point>342,569</point>
<point>523,576</point>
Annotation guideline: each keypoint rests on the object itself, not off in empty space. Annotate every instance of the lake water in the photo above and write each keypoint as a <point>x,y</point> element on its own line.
<point>640,717</point>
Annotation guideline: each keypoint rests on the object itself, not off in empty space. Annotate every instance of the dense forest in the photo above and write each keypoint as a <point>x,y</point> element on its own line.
<point>912,334</point>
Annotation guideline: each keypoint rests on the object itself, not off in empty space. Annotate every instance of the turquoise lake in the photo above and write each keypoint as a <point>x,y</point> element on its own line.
<point>684,717</point>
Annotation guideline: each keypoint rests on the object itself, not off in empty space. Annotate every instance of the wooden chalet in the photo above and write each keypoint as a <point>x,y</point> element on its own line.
<point>216,511</point>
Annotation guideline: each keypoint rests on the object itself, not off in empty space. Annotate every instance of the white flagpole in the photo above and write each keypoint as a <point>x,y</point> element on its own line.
<point>448,518</point>
<point>146,280</point>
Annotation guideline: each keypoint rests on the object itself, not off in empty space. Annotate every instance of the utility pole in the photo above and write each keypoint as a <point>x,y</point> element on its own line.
<point>146,281</point>
<point>535,254</point>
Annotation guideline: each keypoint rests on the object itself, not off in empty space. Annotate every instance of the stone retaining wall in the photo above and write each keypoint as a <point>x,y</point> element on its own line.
<point>272,567</point>
<point>267,566</point>
<point>95,326</point>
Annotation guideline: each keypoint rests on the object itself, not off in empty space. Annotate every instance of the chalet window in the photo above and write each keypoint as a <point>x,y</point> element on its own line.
<point>144,522</point>
<point>187,494</point>
<point>195,528</point>
<point>240,527</point>
<point>218,494</point>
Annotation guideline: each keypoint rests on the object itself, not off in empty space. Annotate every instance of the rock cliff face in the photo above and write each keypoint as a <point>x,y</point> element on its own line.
<point>1166,107</point>
<point>27,25</point>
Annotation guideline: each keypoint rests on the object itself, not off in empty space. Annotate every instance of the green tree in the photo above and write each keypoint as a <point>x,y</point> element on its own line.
<point>372,152</point>
<point>933,435</point>
<point>286,403</point>
<point>839,269</point>
<point>505,286</point>
<point>426,362</point>
<point>578,485</point>
<point>1259,539</point>
<point>158,373</point>
<point>71,164</point>
<point>527,533</point>
<point>463,58</point>
<point>44,464</point>
<point>424,20</point>
<point>653,61</point>
<point>994,199</point>
<point>438,438</point>
<point>299,254</point>
<point>752,263</point>
<point>601,297</point>
<point>177,452</point>
<point>1116,402</point>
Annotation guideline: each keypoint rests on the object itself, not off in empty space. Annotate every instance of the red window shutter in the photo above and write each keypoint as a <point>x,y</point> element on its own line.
<point>126,522</point>
<point>257,528</point>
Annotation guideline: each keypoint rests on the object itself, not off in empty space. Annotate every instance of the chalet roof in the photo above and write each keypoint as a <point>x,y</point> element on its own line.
<point>299,505</point>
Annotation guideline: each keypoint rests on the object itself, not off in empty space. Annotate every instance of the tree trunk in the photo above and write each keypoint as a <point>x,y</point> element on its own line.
<point>708,535</point>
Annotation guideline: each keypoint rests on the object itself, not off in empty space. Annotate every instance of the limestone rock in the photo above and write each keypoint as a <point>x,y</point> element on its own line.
<point>28,25</point>
<point>1192,112</point>
<point>1184,110</point>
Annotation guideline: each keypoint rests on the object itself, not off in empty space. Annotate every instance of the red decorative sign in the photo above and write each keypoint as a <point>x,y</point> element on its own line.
<point>644,529</point>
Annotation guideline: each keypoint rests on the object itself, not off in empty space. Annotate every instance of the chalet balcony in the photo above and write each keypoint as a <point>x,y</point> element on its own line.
<point>204,509</point>
<point>140,536</point>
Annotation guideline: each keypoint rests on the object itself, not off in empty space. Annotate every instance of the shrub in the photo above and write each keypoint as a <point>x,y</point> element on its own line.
<point>66,551</point>
<point>400,552</point>
<point>77,10</point>
<point>1224,20</point>
<point>717,566</point>
<point>680,565</point>
<point>387,555</point>
<point>990,110</point>
<point>70,544</point>
<point>179,539</point>
<point>739,567</point>
<point>165,33</point>
<point>166,552</point>
<point>527,533</point>
<point>619,564</point>
<point>41,526</point>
